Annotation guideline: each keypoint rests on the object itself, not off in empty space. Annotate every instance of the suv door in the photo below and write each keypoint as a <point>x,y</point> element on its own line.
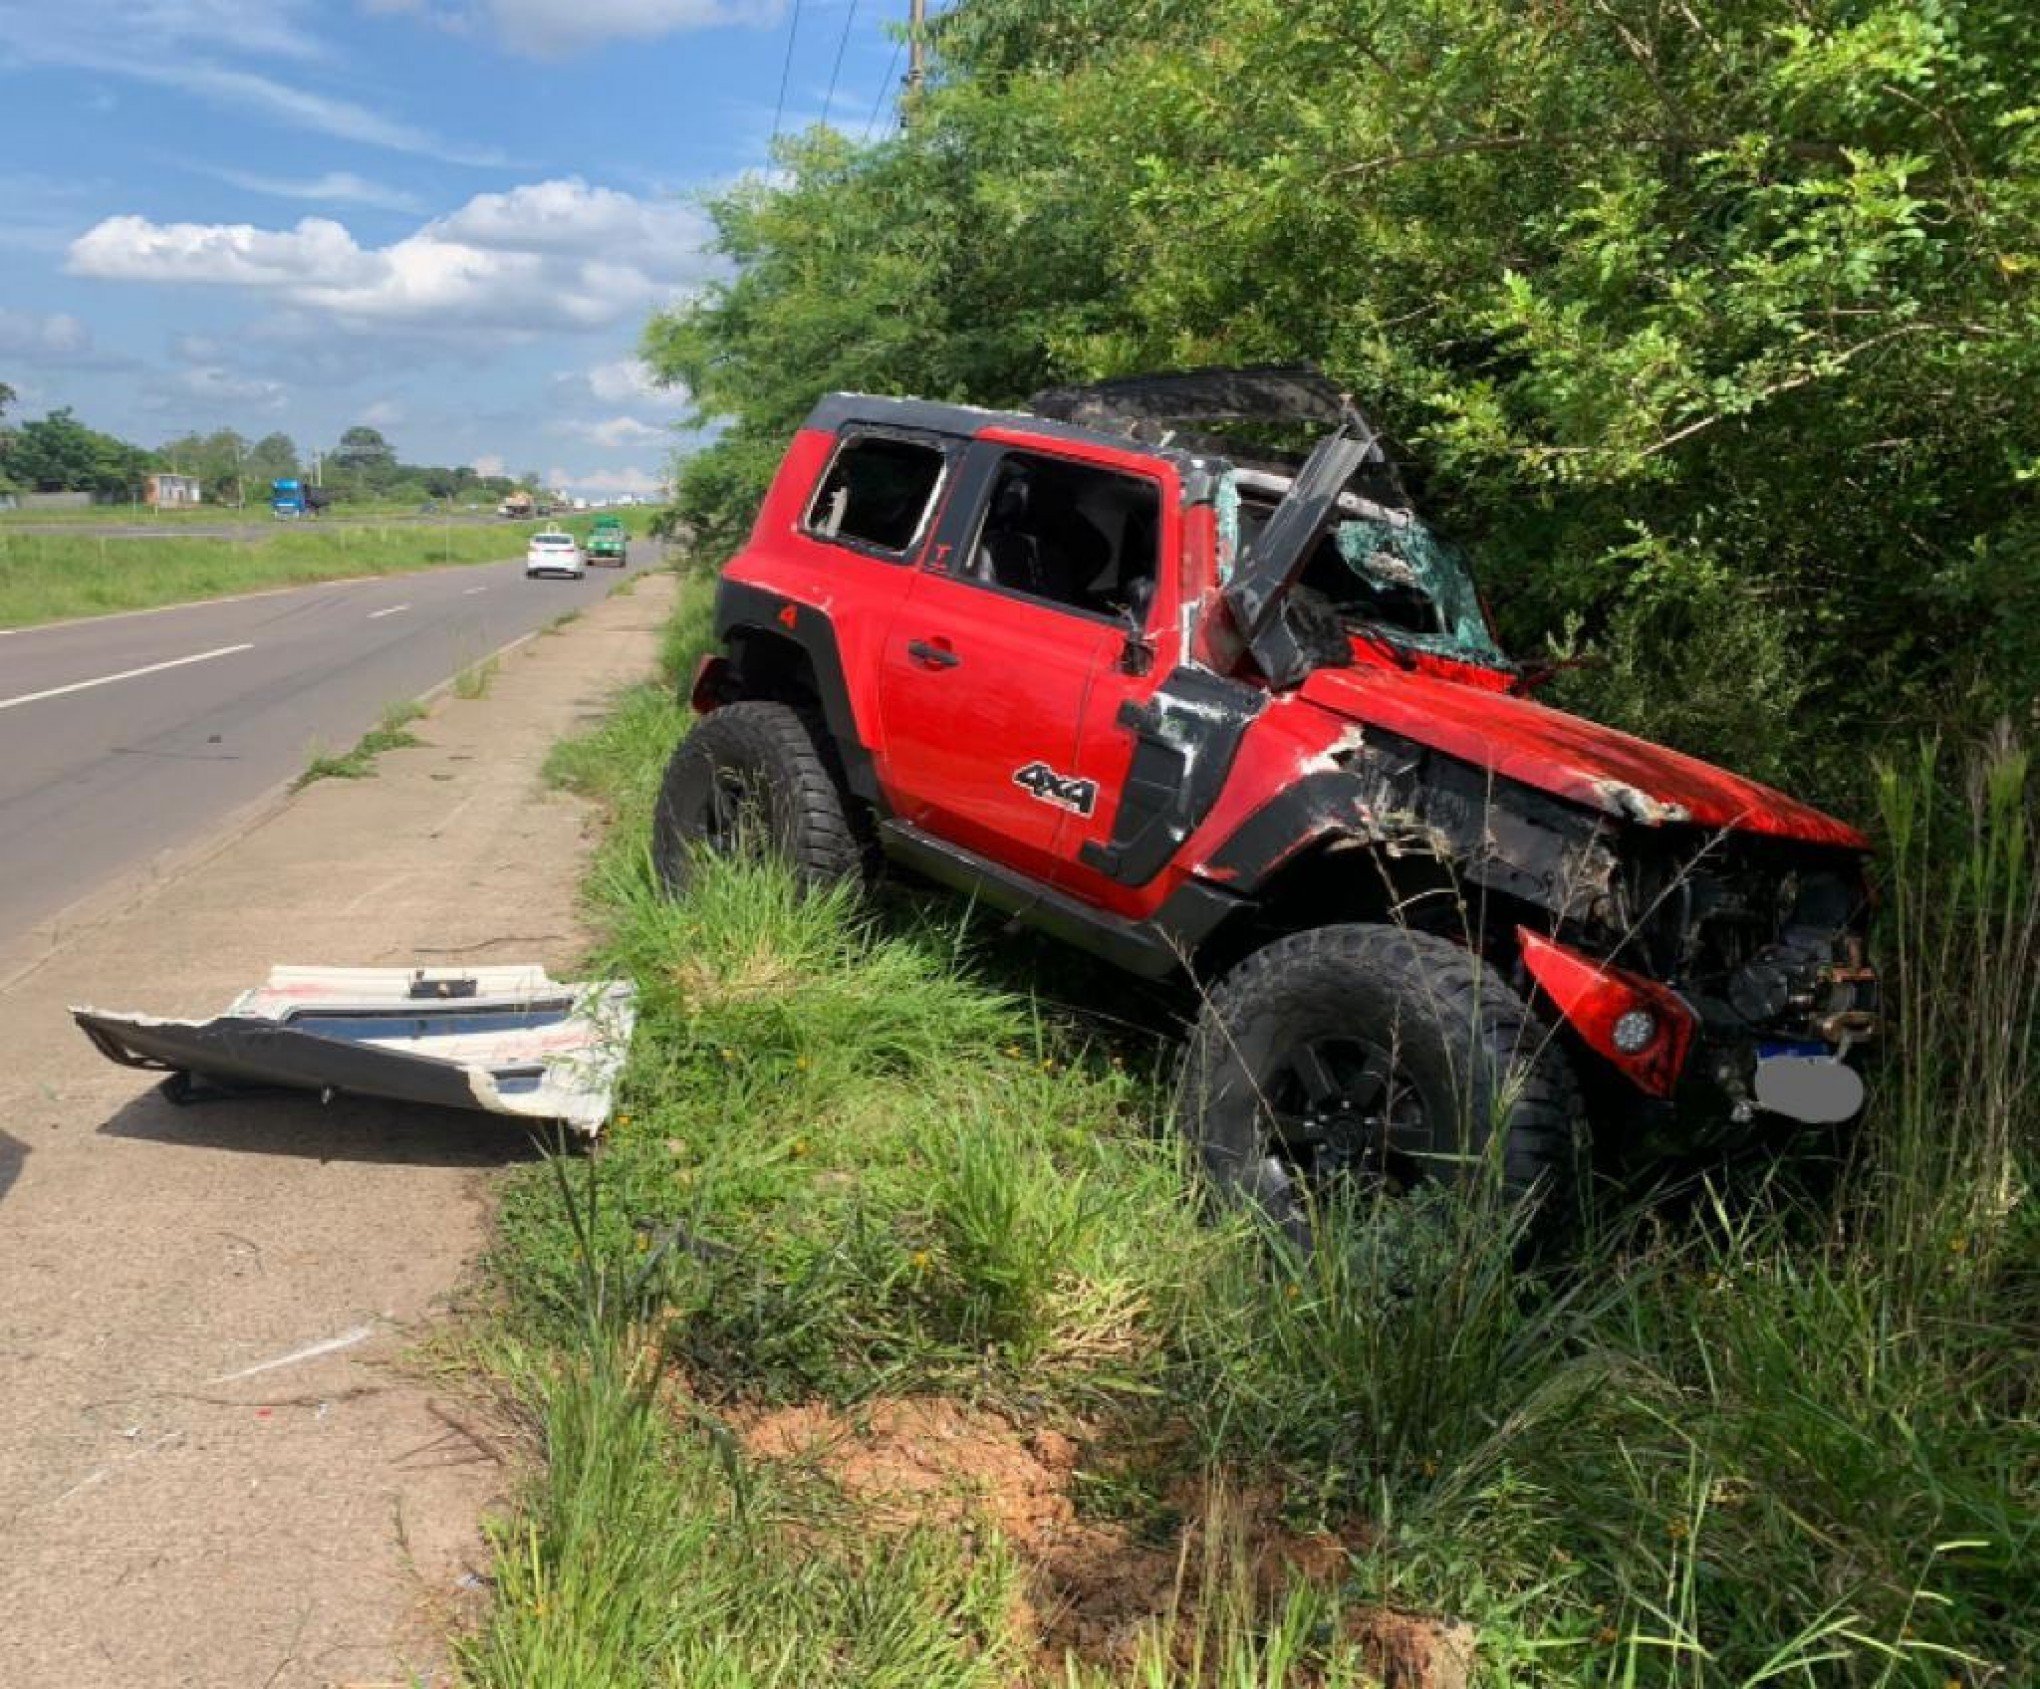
<point>989,664</point>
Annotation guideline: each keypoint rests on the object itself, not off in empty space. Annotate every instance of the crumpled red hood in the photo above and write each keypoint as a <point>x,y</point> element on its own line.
<point>1569,757</point>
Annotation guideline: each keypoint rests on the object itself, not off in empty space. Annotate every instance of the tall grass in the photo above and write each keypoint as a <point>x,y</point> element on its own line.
<point>48,577</point>
<point>1766,1437</point>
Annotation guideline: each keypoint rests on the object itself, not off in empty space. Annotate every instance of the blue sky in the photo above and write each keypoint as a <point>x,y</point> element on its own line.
<point>446,218</point>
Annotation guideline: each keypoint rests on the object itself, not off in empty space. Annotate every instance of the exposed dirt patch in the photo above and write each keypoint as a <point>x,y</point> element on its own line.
<point>1095,1587</point>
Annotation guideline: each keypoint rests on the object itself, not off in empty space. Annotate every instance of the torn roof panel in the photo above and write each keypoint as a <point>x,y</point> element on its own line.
<point>507,1040</point>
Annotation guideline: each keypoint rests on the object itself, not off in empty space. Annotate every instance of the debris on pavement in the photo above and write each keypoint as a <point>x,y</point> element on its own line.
<point>310,1352</point>
<point>506,1040</point>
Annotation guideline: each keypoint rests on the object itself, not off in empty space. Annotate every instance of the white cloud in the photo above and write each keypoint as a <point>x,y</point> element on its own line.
<point>56,338</point>
<point>616,433</point>
<point>128,248</point>
<point>190,46</point>
<point>490,463</point>
<point>628,381</point>
<point>548,28</point>
<point>384,413</point>
<point>336,187</point>
<point>599,482</point>
<point>220,385</point>
<point>548,255</point>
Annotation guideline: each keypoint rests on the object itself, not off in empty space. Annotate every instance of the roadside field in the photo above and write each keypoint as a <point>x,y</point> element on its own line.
<point>50,577</point>
<point>884,1331</point>
<point>255,513</point>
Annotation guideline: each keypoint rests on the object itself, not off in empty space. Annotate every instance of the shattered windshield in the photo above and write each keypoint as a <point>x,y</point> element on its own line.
<point>1411,584</point>
<point>1380,568</point>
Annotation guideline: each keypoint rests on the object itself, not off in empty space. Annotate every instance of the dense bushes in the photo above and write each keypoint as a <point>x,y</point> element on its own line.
<point>1714,327</point>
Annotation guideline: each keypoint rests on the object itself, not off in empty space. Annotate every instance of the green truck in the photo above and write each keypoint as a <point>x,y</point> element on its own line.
<point>609,541</point>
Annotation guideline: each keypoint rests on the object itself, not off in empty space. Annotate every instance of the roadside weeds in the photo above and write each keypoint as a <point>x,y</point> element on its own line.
<point>391,733</point>
<point>861,1188</point>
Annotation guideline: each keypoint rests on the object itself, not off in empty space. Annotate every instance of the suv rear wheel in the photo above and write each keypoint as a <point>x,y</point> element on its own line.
<point>753,779</point>
<point>1380,1056</point>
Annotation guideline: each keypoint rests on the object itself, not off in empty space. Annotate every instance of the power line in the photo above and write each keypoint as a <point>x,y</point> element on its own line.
<point>786,72</point>
<point>884,88</point>
<point>836,69</point>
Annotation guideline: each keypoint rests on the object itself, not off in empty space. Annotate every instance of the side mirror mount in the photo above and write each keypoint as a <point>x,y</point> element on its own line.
<point>1137,655</point>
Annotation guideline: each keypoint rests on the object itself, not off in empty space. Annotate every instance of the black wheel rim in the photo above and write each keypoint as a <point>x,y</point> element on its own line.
<point>1342,1113</point>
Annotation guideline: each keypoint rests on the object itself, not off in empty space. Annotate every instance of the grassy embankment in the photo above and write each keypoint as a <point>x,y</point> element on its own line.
<point>1761,1436</point>
<point>49,577</point>
<point>254,514</point>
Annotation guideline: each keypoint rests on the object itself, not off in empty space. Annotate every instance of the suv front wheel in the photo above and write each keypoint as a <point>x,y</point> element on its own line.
<point>1379,1056</point>
<point>753,780</point>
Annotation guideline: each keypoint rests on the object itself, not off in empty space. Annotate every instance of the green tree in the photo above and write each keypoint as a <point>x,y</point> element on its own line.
<point>7,397</point>
<point>272,458</point>
<point>218,460</point>
<point>58,453</point>
<point>365,457</point>
<point>1712,328</point>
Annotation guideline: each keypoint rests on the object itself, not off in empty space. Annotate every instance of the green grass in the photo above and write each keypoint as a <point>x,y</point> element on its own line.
<point>1771,1431</point>
<point>50,577</point>
<point>475,680</point>
<point>255,513</point>
<point>392,733</point>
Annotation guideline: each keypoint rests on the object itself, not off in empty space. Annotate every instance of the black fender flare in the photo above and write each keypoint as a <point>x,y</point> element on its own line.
<point>744,613</point>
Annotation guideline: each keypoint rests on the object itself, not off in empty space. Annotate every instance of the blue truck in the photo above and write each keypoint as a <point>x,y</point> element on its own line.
<point>291,498</point>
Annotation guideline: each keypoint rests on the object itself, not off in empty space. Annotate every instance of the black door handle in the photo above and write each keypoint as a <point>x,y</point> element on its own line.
<point>935,656</point>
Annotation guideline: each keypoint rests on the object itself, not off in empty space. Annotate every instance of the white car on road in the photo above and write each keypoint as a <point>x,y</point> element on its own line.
<point>554,553</point>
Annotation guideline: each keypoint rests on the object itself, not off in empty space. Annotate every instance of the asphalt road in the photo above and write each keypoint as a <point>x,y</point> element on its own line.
<point>126,736</point>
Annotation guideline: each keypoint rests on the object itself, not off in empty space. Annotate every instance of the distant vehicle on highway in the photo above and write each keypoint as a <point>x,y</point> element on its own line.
<point>554,553</point>
<point>517,504</point>
<point>290,498</point>
<point>609,542</point>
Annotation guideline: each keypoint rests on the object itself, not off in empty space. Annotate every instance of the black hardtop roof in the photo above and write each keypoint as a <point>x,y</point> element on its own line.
<point>837,410</point>
<point>1190,410</point>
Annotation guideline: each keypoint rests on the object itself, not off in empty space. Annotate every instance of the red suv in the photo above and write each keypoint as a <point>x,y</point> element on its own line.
<point>1138,669</point>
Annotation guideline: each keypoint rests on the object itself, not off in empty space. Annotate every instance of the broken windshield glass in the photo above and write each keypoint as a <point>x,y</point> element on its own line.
<point>1413,585</point>
<point>1378,568</point>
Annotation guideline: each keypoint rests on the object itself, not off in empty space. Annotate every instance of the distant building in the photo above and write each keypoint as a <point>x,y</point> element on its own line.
<point>163,491</point>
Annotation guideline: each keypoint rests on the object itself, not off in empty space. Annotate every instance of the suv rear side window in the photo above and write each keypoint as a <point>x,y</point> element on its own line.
<point>877,493</point>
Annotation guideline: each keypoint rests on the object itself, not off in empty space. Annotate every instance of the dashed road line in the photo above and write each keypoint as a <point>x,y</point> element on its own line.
<point>125,674</point>
<point>377,615</point>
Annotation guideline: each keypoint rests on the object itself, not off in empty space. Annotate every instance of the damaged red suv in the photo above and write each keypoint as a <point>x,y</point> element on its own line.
<point>1136,668</point>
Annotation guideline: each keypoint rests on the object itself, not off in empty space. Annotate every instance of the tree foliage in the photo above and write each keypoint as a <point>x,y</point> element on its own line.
<point>58,454</point>
<point>1714,328</point>
<point>231,468</point>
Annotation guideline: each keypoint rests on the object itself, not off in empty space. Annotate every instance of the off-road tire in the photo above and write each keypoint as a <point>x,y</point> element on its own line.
<point>772,759</point>
<point>1460,1039</point>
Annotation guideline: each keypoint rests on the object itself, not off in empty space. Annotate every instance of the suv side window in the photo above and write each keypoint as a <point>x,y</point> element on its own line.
<point>877,493</point>
<point>1067,533</point>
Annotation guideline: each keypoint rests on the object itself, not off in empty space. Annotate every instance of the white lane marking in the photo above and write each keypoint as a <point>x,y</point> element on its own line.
<point>125,674</point>
<point>377,615</point>
<point>471,591</point>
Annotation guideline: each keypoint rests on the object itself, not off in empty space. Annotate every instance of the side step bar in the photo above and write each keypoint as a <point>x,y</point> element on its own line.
<point>1153,949</point>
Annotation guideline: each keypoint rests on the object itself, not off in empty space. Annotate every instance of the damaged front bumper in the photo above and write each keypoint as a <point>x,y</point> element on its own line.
<point>1703,1058</point>
<point>505,1040</point>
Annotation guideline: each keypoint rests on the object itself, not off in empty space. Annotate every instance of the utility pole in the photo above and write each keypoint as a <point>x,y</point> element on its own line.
<point>917,56</point>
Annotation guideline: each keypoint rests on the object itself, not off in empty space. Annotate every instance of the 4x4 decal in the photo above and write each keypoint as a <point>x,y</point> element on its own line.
<point>1065,791</point>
